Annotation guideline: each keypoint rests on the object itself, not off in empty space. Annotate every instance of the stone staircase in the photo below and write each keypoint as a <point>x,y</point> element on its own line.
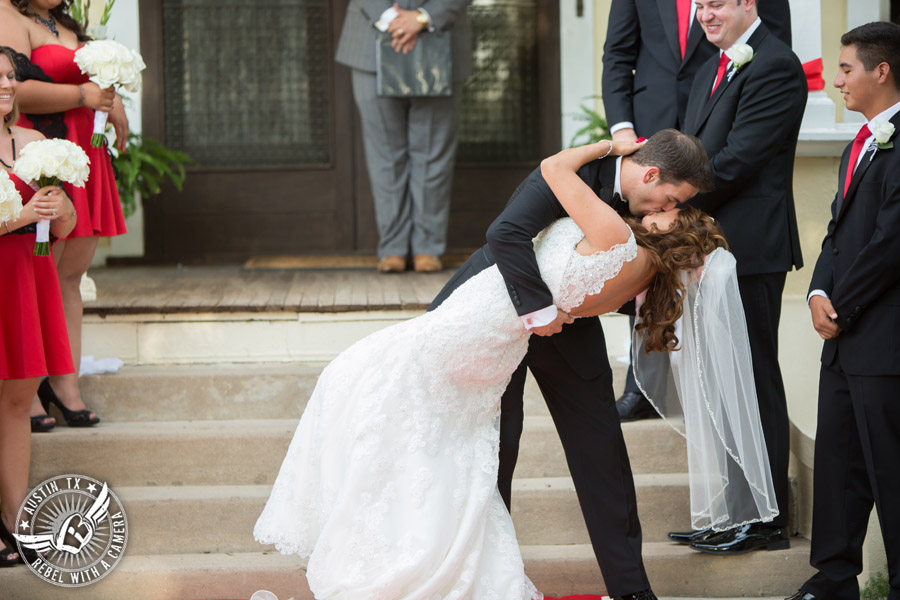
<point>192,451</point>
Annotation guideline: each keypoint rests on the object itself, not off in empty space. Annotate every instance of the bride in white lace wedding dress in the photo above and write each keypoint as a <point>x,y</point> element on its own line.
<point>390,483</point>
<point>389,486</point>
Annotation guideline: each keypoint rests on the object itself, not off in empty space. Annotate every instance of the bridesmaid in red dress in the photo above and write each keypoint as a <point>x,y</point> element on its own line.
<point>59,101</point>
<point>33,338</point>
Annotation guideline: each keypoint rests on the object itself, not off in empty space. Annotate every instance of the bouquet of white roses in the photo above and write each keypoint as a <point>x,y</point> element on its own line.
<point>51,162</point>
<point>109,63</point>
<point>10,199</point>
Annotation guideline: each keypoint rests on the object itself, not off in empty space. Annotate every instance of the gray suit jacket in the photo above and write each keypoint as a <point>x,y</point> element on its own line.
<point>356,48</point>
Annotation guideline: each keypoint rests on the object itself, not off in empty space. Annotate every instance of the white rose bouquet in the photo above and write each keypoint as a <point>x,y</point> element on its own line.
<point>10,199</point>
<point>109,63</point>
<point>51,162</point>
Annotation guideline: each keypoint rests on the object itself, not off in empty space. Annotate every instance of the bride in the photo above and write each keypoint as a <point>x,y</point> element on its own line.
<point>389,486</point>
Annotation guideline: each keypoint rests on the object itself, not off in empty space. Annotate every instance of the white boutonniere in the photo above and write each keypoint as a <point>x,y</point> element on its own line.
<point>883,132</point>
<point>740,55</point>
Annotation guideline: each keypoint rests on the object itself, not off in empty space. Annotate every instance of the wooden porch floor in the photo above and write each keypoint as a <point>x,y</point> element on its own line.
<point>231,288</point>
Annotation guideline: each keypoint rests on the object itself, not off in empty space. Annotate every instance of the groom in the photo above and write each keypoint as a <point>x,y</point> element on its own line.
<point>572,367</point>
<point>854,301</point>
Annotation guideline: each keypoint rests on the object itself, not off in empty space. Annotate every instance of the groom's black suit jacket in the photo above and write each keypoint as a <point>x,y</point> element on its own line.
<point>749,128</point>
<point>859,266</point>
<point>645,80</point>
<point>532,208</point>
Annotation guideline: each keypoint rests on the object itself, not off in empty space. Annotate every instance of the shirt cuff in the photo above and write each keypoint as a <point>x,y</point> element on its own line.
<point>539,318</point>
<point>386,17</point>
<point>427,16</point>
<point>815,293</point>
<point>622,125</point>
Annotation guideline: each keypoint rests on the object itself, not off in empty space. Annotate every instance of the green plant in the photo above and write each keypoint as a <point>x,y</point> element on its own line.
<point>144,167</point>
<point>877,588</point>
<point>595,128</point>
<point>80,11</point>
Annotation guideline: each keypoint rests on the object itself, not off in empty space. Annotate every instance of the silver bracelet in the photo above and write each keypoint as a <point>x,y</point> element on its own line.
<point>608,151</point>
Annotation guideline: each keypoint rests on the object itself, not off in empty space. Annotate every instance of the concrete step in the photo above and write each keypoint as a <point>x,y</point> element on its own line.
<point>227,391</point>
<point>556,570</point>
<point>545,511</point>
<point>250,451</point>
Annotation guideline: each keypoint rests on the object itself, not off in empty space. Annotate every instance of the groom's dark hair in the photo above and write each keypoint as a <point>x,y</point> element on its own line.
<point>876,43</point>
<point>678,156</point>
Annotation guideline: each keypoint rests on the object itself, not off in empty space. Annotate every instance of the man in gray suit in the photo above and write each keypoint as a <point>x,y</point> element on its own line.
<point>410,143</point>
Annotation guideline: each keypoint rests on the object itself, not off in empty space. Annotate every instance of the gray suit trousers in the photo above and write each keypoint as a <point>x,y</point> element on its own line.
<point>410,146</point>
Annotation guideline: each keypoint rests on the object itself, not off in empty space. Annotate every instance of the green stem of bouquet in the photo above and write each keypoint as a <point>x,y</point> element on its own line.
<point>43,248</point>
<point>98,140</point>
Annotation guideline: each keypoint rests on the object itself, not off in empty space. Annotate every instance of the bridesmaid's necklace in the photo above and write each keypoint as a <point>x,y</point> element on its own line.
<point>49,23</point>
<point>9,131</point>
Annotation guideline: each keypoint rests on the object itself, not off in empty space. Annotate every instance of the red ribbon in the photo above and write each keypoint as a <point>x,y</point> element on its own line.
<point>813,70</point>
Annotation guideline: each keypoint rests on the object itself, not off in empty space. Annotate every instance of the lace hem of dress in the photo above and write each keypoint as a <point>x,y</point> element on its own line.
<point>583,269</point>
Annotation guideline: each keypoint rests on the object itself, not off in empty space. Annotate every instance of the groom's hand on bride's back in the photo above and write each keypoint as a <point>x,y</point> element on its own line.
<point>562,317</point>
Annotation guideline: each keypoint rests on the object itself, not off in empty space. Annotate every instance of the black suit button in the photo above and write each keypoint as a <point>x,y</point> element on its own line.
<point>835,251</point>
<point>680,77</point>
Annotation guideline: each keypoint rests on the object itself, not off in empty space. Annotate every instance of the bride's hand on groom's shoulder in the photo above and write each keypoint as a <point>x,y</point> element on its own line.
<point>625,147</point>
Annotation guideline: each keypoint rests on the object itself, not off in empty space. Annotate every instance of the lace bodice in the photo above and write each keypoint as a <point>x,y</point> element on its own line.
<point>390,483</point>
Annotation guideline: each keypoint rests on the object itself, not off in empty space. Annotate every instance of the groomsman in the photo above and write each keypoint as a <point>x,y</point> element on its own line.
<point>745,105</point>
<point>854,300</point>
<point>653,50</point>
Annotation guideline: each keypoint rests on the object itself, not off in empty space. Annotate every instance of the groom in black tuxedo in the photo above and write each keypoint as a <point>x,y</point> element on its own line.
<point>568,359</point>
<point>855,305</point>
<point>652,52</point>
<point>746,105</point>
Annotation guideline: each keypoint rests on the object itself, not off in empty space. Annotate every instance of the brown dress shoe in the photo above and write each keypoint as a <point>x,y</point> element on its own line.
<point>426,263</point>
<point>392,264</point>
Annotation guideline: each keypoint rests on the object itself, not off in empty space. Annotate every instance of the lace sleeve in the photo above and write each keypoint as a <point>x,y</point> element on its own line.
<point>52,125</point>
<point>586,275</point>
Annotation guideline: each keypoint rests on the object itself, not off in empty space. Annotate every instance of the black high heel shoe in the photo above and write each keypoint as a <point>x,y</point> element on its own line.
<point>26,554</point>
<point>74,418</point>
<point>42,423</point>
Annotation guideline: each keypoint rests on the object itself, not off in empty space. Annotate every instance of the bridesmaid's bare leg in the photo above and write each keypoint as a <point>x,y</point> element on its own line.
<point>15,444</point>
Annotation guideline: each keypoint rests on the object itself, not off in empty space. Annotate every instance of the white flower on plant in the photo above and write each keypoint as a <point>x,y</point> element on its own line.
<point>10,199</point>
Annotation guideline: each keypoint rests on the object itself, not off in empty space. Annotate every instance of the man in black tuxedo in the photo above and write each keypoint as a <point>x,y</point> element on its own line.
<point>745,105</point>
<point>568,359</point>
<point>855,305</point>
<point>653,50</point>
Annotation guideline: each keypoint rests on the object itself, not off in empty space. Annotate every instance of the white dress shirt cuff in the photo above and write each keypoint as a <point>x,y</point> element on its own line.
<point>386,17</point>
<point>815,293</point>
<point>539,318</point>
<point>619,126</point>
<point>427,16</point>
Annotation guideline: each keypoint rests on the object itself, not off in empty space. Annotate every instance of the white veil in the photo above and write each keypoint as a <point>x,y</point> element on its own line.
<point>705,390</point>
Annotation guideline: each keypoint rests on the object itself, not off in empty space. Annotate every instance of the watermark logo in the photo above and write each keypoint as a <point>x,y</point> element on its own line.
<point>72,530</point>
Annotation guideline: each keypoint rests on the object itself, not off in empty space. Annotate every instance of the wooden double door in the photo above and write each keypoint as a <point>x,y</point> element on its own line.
<point>251,91</point>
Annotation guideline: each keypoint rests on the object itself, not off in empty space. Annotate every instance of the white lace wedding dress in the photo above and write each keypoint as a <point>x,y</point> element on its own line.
<point>389,486</point>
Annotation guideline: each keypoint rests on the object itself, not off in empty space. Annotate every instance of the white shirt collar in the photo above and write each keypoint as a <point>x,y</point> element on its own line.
<point>617,188</point>
<point>745,37</point>
<point>888,114</point>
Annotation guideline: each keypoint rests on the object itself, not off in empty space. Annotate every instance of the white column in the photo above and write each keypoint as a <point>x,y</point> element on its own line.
<point>577,55</point>
<point>806,30</point>
<point>860,12</point>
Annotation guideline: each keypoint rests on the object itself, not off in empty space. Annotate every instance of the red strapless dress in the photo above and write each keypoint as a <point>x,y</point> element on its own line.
<point>34,340</point>
<point>97,204</point>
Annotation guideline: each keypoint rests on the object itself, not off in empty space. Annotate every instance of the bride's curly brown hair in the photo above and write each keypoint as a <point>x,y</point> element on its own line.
<point>684,246</point>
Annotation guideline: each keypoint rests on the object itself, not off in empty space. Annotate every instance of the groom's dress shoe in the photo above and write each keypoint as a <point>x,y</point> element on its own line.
<point>801,595</point>
<point>686,537</point>
<point>744,539</point>
<point>644,595</point>
<point>632,406</point>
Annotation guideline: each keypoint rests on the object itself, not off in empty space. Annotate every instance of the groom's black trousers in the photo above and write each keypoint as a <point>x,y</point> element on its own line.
<point>584,412</point>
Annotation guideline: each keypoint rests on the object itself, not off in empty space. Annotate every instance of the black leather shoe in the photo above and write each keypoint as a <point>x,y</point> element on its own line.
<point>686,537</point>
<point>644,595</point>
<point>745,539</point>
<point>632,406</point>
<point>801,595</point>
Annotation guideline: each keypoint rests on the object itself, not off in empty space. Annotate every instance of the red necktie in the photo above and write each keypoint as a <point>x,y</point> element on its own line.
<point>723,62</point>
<point>684,23</point>
<point>858,142</point>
